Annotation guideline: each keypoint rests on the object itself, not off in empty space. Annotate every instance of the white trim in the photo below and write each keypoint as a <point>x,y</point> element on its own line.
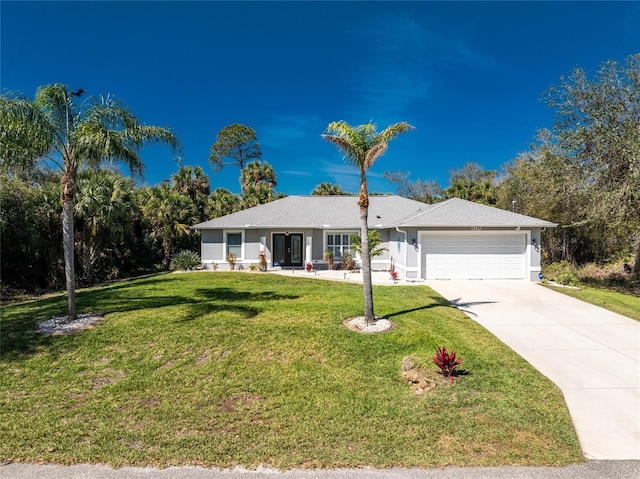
<point>224,244</point>
<point>325,233</point>
<point>405,246</point>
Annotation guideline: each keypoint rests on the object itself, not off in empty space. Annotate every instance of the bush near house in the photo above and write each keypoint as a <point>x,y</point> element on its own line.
<point>185,260</point>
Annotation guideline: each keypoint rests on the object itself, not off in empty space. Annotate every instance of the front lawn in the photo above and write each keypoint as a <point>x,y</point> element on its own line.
<point>224,369</point>
<point>626,304</point>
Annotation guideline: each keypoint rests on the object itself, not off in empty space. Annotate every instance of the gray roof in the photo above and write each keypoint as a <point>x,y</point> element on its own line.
<point>342,212</point>
<point>455,212</point>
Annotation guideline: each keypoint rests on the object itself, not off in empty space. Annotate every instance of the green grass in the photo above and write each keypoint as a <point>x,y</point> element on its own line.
<point>223,369</point>
<point>626,304</point>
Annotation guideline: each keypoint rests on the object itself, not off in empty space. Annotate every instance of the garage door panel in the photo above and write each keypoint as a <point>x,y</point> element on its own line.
<point>474,256</point>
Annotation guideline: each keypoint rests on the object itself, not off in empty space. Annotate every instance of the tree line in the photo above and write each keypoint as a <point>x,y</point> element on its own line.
<point>582,173</point>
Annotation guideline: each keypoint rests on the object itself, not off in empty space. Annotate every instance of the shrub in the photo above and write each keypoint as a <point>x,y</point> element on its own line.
<point>262,262</point>
<point>374,244</point>
<point>231,259</point>
<point>447,362</point>
<point>567,279</point>
<point>328,257</point>
<point>394,275</point>
<point>185,260</point>
<point>348,261</point>
<point>308,266</point>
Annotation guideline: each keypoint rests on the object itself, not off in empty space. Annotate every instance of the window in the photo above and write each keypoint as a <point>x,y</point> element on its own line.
<point>234,244</point>
<point>339,243</point>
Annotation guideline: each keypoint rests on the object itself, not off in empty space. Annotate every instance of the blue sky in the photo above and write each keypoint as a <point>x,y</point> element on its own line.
<point>468,75</point>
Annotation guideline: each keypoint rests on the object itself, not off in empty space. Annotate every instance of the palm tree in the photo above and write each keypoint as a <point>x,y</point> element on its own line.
<point>222,202</point>
<point>194,183</point>
<point>258,173</point>
<point>258,180</point>
<point>327,189</point>
<point>169,214</point>
<point>362,146</point>
<point>103,210</point>
<point>56,129</point>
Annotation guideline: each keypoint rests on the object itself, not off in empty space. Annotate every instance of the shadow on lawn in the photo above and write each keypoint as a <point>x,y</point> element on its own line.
<point>226,300</point>
<point>19,322</point>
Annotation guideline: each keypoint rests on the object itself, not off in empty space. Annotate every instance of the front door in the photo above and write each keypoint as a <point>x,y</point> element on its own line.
<point>287,249</point>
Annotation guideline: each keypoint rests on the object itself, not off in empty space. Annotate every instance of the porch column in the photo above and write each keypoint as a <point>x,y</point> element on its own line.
<point>308,247</point>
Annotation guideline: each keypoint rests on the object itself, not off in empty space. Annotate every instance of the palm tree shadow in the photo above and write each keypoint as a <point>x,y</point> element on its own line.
<point>437,302</point>
<point>462,306</point>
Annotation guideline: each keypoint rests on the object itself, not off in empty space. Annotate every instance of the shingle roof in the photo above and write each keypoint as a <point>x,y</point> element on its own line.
<point>463,213</point>
<point>342,212</point>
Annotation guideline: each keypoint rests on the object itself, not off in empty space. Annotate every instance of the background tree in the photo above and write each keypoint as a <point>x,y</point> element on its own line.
<point>236,142</point>
<point>362,146</point>
<point>104,211</point>
<point>425,191</point>
<point>540,183</point>
<point>168,215</point>
<point>258,180</point>
<point>55,128</point>
<point>222,202</point>
<point>30,235</point>
<point>192,181</point>
<point>256,173</point>
<point>597,129</point>
<point>327,189</point>
<point>473,183</point>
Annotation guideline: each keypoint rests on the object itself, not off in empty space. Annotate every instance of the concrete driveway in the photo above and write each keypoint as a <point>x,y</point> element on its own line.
<point>591,354</point>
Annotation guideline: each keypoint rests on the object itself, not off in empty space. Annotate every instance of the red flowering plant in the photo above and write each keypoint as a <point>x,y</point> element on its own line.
<point>394,275</point>
<point>447,362</point>
<point>308,266</point>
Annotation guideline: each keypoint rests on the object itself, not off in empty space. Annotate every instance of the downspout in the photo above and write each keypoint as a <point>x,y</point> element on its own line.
<point>406,246</point>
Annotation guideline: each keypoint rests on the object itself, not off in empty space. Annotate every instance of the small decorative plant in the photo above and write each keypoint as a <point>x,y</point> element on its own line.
<point>394,275</point>
<point>253,267</point>
<point>185,260</point>
<point>348,261</point>
<point>308,266</point>
<point>262,262</point>
<point>447,362</point>
<point>231,259</point>
<point>328,257</point>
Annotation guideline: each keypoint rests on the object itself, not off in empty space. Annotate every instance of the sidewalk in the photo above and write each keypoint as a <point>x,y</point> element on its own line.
<point>589,470</point>
<point>382,278</point>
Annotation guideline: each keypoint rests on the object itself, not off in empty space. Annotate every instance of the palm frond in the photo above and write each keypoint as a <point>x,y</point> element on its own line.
<point>373,153</point>
<point>60,110</point>
<point>345,145</point>
<point>394,130</point>
<point>25,134</point>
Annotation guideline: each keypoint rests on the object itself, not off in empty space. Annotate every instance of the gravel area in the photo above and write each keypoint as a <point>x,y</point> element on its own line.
<point>359,324</point>
<point>62,325</point>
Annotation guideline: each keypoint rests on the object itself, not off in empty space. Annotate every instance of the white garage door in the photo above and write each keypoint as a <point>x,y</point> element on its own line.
<point>473,256</point>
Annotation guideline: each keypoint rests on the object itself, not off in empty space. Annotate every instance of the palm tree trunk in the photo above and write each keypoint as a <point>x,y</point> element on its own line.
<point>366,268</point>
<point>363,202</point>
<point>67,244</point>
